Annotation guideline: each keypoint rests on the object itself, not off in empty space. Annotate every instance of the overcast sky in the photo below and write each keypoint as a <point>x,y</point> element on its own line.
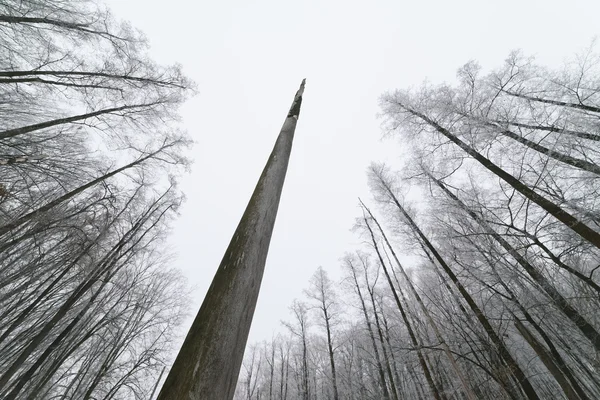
<point>248,58</point>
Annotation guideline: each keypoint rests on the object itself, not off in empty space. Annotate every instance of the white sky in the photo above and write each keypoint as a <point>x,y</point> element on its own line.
<point>248,58</point>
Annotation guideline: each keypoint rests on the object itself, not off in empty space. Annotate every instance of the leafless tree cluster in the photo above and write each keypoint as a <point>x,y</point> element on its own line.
<point>479,277</point>
<point>89,153</point>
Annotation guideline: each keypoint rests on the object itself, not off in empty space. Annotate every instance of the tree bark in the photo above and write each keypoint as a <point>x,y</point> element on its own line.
<point>463,380</point>
<point>382,381</point>
<point>69,195</point>
<point>331,355</point>
<point>554,102</point>
<point>564,158</point>
<point>569,220</point>
<point>209,361</point>
<point>411,332</point>
<point>386,358</point>
<point>547,360</point>
<point>67,120</point>
<point>500,346</point>
<point>582,135</point>
<point>585,327</point>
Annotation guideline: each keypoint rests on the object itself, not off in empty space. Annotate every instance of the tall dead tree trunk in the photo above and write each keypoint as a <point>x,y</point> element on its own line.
<point>208,364</point>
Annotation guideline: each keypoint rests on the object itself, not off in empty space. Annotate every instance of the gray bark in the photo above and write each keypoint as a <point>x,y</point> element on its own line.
<point>209,361</point>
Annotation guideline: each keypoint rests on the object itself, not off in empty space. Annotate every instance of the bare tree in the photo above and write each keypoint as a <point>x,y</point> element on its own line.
<point>322,293</point>
<point>299,328</point>
<point>90,151</point>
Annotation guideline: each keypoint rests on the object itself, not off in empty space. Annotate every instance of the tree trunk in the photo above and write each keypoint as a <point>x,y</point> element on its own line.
<point>557,359</point>
<point>382,381</point>
<point>67,120</point>
<point>585,327</point>
<point>411,332</point>
<point>547,360</point>
<point>500,346</point>
<point>569,220</point>
<point>463,380</point>
<point>67,196</point>
<point>554,102</point>
<point>386,358</point>
<point>392,357</point>
<point>564,158</point>
<point>209,361</point>
<point>27,375</point>
<point>583,135</point>
<point>331,355</point>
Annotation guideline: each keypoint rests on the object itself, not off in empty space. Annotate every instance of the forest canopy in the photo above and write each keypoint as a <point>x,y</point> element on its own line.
<point>477,276</point>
